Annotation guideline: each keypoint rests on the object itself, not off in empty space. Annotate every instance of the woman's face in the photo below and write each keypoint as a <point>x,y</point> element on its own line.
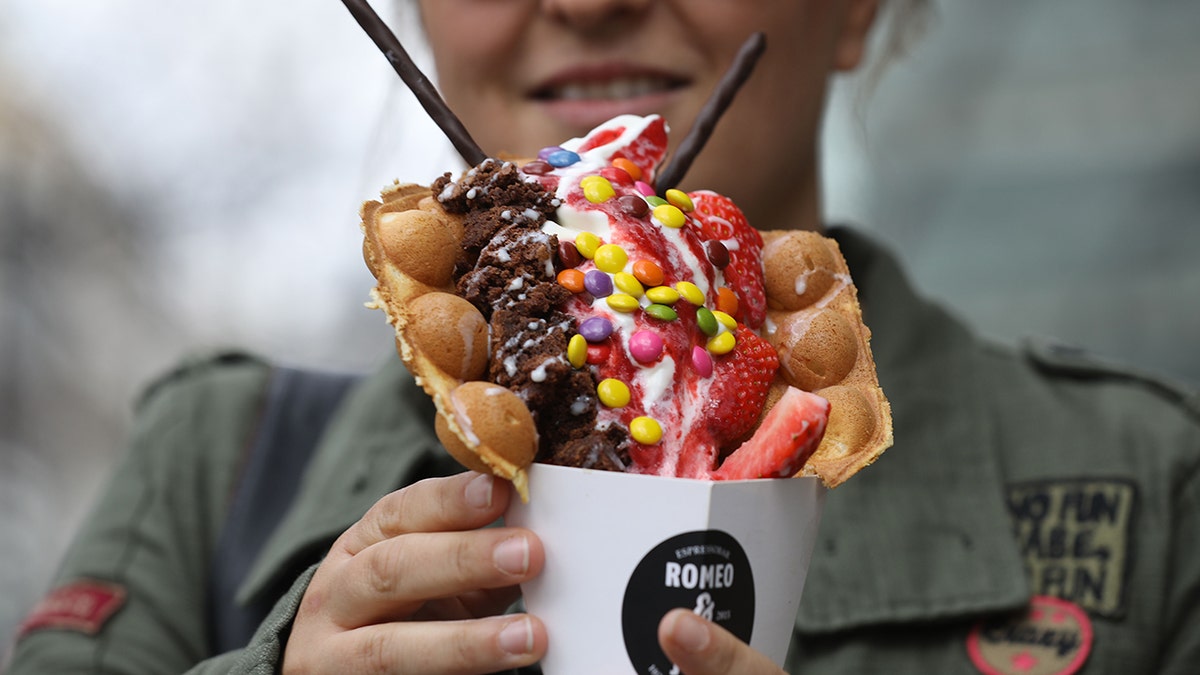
<point>525,74</point>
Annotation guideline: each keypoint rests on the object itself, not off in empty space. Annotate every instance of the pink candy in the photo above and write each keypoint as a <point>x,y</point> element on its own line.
<point>701,361</point>
<point>646,346</point>
<point>645,188</point>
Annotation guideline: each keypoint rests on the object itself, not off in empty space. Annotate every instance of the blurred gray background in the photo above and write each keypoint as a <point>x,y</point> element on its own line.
<point>175,177</point>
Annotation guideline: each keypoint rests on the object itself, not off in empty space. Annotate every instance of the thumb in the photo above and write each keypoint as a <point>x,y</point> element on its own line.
<point>700,647</point>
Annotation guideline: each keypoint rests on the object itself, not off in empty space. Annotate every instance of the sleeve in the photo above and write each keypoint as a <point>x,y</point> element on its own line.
<point>264,654</point>
<point>1181,650</point>
<point>148,541</point>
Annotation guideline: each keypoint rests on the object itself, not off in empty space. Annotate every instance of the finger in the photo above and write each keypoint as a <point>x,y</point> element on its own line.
<point>461,502</point>
<point>700,647</point>
<point>392,579</point>
<point>471,647</point>
<point>473,605</point>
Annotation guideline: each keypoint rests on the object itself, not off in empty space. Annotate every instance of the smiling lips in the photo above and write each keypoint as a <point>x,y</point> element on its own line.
<point>583,97</point>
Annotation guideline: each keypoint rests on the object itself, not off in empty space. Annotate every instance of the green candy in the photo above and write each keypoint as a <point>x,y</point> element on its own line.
<point>662,312</point>
<point>707,321</point>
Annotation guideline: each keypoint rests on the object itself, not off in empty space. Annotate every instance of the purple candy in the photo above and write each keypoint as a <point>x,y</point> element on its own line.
<point>701,361</point>
<point>546,152</point>
<point>595,329</point>
<point>646,346</point>
<point>598,283</point>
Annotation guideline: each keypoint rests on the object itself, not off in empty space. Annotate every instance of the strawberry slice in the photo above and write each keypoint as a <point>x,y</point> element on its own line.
<point>739,390</point>
<point>789,434</point>
<point>720,219</point>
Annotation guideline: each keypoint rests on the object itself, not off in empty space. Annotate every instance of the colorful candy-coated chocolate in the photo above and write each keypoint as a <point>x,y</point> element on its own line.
<point>628,284</point>
<point>726,319</point>
<point>663,295</point>
<point>562,158</point>
<point>655,201</point>
<point>723,343</point>
<point>595,329</point>
<point>623,302</point>
<point>647,271</point>
<point>634,171</point>
<point>701,361</point>
<point>547,151</point>
<point>611,258</point>
<point>646,346</point>
<point>645,430</point>
<point>661,312</point>
<point>587,243</point>
<point>670,216</point>
<point>707,323</point>
<point>680,199</point>
<point>568,254</point>
<point>690,292</point>
<point>727,301</point>
<point>617,175</point>
<point>577,351</point>
<point>597,189</point>
<point>613,393</point>
<point>645,188</point>
<point>598,283</point>
<point>537,167</point>
<point>717,254</point>
<point>572,280</point>
<point>634,206</point>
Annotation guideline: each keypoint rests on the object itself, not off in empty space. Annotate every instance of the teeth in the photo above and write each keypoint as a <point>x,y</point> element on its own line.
<point>611,90</point>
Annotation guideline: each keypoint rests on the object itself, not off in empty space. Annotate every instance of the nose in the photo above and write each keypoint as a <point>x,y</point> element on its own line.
<point>587,14</point>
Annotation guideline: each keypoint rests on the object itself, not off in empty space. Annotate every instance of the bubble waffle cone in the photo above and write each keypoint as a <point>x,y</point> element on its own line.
<point>730,357</point>
<point>815,324</point>
<point>411,245</point>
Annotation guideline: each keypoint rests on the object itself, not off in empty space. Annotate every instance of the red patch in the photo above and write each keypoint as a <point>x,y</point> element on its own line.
<point>1053,637</point>
<point>84,606</point>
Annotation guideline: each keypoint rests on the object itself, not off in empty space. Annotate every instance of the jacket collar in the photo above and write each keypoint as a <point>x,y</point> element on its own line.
<point>923,534</point>
<point>380,439</point>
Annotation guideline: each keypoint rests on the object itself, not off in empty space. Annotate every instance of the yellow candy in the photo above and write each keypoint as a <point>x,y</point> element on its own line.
<point>622,302</point>
<point>723,343</point>
<point>587,243</point>
<point>577,351</point>
<point>613,393</point>
<point>611,258</point>
<point>597,189</point>
<point>663,295</point>
<point>690,292</point>
<point>670,216</point>
<point>680,199</point>
<point>726,320</point>
<point>627,283</point>
<point>645,430</point>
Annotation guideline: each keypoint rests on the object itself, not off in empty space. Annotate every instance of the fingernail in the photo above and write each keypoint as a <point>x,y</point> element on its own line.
<point>512,556</point>
<point>479,491</point>
<point>690,633</point>
<point>517,637</point>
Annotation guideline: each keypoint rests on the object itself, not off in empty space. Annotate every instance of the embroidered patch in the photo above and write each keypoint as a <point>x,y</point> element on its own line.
<point>1054,637</point>
<point>84,606</point>
<point>1075,538</point>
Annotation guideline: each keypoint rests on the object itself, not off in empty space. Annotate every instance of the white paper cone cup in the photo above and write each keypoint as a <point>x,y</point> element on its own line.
<point>622,550</point>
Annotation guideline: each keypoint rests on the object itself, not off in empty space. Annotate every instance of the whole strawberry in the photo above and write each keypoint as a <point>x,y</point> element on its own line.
<point>739,391</point>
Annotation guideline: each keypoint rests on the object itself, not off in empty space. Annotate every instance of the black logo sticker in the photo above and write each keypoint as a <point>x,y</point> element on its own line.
<point>704,571</point>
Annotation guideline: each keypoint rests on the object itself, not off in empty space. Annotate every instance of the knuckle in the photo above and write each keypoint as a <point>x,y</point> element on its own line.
<point>373,654</point>
<point>382,565</point>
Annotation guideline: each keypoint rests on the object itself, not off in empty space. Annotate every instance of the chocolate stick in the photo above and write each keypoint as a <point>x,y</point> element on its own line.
<point>706,121</point>
<point>420,85</point>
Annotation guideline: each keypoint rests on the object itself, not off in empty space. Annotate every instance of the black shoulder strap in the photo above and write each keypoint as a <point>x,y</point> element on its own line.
<point>299,404</point>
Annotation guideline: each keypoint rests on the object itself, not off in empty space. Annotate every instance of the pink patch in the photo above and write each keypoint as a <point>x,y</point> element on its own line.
<point>83,606</point>
<point>1053,637</point>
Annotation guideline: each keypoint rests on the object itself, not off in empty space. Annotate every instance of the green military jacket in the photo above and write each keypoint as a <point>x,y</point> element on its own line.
<point>1039,513</point>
